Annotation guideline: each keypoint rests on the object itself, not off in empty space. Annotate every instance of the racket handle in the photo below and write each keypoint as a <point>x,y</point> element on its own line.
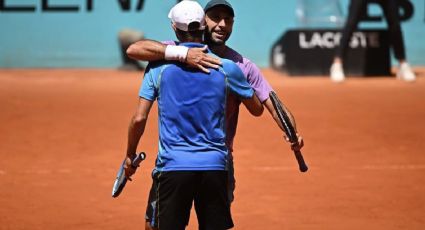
<point>139,158</point>
<point>301,163</point>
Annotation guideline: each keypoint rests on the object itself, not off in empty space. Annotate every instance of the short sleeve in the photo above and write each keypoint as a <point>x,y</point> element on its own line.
<point>149,87</point>
<point>257,80</point>
<point>170,42</point>
<point>236,80</point>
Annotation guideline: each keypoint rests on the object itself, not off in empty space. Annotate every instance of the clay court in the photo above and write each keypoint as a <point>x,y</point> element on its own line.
<point>63,136</point>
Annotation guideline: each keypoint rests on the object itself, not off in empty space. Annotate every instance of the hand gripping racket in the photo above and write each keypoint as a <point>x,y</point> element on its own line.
<point>121,180</point>
<point>289,129</point>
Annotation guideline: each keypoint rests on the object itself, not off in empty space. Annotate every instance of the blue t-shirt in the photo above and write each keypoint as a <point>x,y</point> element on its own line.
<point>191,111</point>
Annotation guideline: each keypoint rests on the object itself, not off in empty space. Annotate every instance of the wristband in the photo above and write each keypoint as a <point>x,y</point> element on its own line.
<point>178,53</point>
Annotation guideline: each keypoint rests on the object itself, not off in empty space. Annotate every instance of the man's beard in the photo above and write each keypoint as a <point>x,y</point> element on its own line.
<point>215,42</point>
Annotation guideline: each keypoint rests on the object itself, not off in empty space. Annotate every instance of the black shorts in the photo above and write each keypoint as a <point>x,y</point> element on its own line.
<point>172,195</point>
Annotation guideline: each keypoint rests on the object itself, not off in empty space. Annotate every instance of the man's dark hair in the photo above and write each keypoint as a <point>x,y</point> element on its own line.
<point>194,33</point>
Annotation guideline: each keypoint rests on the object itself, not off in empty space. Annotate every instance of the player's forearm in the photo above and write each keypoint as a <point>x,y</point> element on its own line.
<point>254,105</point>
<point>272,111</point>
<point>147,50</point>
<point>135,132</point>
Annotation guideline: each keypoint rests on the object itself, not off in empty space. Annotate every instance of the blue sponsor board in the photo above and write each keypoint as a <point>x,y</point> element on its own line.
<point>84,33</point>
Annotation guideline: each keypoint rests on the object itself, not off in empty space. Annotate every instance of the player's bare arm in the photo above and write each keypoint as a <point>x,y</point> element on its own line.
<point>272,112</point>
<point>147,50</point>
<point>254,105</point>
<point>150,50</point>
<point>268,104</point>
<point>135,132</point>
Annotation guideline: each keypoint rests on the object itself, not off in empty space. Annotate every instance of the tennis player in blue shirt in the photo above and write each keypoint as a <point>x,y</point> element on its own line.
<point>191,165</point>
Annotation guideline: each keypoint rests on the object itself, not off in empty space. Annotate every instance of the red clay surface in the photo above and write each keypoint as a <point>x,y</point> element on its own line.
<point>63,136</point>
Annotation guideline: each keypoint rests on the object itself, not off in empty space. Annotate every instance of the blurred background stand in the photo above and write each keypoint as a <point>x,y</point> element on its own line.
<point>127,37</point>
<point>309,49</point>
<point>319,14</point>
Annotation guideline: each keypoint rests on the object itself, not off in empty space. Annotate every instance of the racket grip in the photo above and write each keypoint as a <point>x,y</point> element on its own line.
<point>139,158</point>
<point>301,163</point>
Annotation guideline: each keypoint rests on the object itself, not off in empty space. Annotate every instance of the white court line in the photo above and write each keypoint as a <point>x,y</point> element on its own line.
<point>274,168</point>
<point>70,171</point>
<point>258,168</point>
<point>364,167</point>
<point>393,167</point>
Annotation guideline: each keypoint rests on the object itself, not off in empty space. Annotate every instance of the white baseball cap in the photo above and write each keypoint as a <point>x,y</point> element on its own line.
<point>186,12</point>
